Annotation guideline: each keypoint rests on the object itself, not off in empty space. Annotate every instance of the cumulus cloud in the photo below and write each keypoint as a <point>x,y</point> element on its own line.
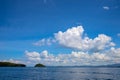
<point>79,58</point>
<point>74,38</point>
<point>90,51</point>
<point>39,57</point>
<point>106,7</point>
<point>33,56</point>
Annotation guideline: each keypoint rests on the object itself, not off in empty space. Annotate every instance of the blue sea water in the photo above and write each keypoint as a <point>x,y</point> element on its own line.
<point>59,73</point>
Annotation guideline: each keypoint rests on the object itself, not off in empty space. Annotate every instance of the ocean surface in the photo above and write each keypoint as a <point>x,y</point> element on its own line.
<point>59,73</point>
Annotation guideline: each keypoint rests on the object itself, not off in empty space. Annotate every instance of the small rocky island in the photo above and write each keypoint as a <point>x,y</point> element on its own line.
<point>39,65</point>
<point>9,64</point>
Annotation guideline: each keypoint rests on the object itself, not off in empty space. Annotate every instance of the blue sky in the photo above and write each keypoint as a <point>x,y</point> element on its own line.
<point>26,22</point>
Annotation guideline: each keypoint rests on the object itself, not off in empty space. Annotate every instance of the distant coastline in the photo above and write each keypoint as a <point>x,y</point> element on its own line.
<point>91,66</point>
<point>9,64</point>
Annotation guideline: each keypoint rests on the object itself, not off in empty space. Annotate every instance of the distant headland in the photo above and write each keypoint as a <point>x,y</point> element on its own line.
<point>9,64</point>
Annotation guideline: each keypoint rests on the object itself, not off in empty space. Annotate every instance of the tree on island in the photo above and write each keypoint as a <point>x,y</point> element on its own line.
<point>39,65</point>
<point>9,64</point>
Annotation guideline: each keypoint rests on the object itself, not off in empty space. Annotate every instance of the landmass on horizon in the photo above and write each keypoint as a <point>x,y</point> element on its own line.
<point>39,65</point>
<point>9,64</point>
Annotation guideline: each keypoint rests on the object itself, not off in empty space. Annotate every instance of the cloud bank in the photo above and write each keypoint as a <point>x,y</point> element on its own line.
<point>90,51</point>
<point>76,58</point>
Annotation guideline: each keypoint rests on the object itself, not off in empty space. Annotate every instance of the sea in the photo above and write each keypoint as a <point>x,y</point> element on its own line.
<point>59,73</point>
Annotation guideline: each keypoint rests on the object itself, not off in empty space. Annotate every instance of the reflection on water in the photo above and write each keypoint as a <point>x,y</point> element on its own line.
<point>59,73</point>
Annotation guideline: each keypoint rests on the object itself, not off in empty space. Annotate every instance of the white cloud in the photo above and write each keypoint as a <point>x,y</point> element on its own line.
<point>114,53</point>
<point>43,42</point>
<point>44,54</point>
<point>13,61</point>
<point>37,57</point>
<point>101,42</point>
<point>106,7</point>
<point>74,38</point>
<point>79,58</point>
<point>91,51</point>
<point>70,37</point>
<point>33,56</point>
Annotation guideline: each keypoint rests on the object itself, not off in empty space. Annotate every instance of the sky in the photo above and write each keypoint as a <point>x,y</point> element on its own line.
<point>60,32</point>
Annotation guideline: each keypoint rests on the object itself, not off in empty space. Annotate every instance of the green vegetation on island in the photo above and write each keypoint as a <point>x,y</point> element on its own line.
<point>9,64</point>
<point>39,65</point>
